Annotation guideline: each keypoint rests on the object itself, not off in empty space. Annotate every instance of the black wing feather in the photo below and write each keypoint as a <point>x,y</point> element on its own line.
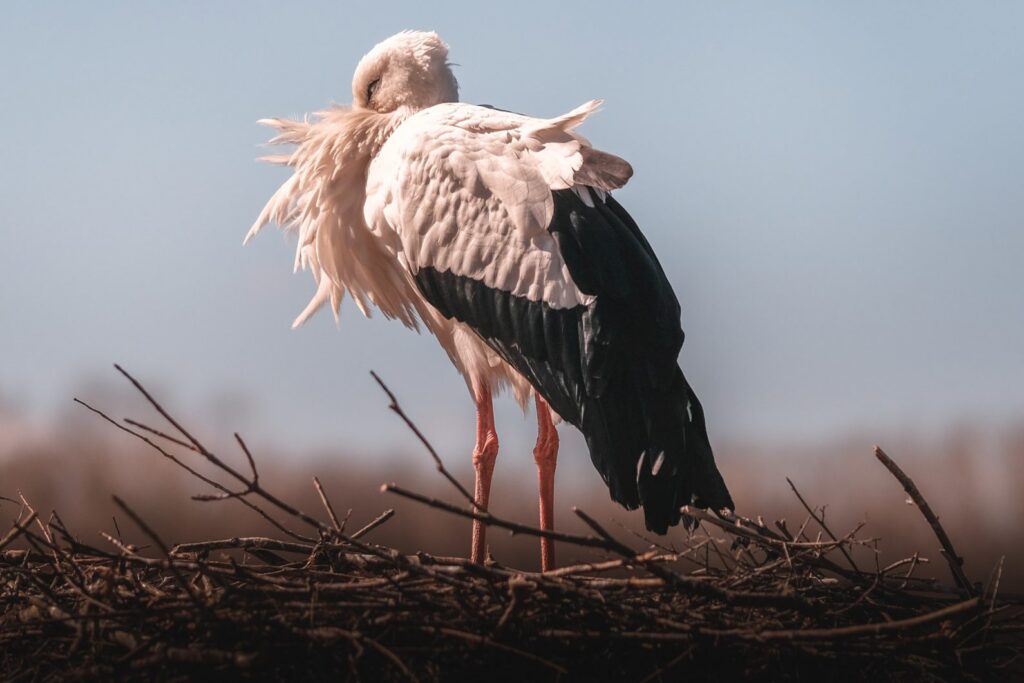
<point>609,368</point>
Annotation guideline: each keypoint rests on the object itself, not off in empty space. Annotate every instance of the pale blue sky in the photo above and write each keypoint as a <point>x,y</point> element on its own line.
<point>835,190</point>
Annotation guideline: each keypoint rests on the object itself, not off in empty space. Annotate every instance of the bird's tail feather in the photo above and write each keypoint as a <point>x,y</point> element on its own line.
<point>678,468</point>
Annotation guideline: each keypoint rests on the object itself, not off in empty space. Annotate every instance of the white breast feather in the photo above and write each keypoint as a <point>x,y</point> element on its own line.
<point>323,201</point>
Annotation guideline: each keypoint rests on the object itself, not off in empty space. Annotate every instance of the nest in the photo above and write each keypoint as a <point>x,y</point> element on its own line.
<point>320,601</point>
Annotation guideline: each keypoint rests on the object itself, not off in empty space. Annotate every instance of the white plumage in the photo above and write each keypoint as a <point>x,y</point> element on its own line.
<point>467,189</point>
<point>461,188</point>
<point>454,216</point>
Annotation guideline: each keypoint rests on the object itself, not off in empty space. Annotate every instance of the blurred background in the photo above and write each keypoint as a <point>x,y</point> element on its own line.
<point>834,192</point>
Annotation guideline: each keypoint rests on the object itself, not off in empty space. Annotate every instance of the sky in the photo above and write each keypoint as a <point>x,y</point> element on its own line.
<point>834,190</point>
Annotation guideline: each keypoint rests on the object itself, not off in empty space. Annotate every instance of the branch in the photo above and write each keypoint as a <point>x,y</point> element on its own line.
<point>873,629</point>
<point>397,409</point>
<point>488,518</point>
<point>163,548</point>
<point>381,518</point>
<point>955,561</point>
<point>821,523</point>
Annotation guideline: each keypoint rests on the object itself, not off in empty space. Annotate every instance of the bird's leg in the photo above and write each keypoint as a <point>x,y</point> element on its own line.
<point>545,454</point>
<point>484,454</point>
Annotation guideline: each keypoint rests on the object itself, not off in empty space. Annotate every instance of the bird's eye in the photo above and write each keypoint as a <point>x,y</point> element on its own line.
<point>371,89</point>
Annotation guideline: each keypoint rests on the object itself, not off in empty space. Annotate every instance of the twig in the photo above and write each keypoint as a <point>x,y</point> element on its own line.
<point>483,640</point>
<point>248,456</point>
<point>995,584</point>
<point>163,435</point>
<point>954,560</point>
<point>242,543</point>
<point>488,518</point>
<point>874,629</point>
<point>821,523</point>
<point>17,529</point>
<point>725,595</point>
<point>64,604</point>
<point>380,519</point>
<point>397,409</point>
<point>177,461</point>
<point>660,671</point>
<point>327,504</point>
<point>146,529</point>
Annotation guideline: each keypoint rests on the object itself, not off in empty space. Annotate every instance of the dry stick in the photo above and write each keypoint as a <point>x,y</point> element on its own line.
<point>839,633</point>
<point>753,535</point>
<point>327,504</point>
<point>397,409</point>
<point>344,521</point>
<point>118,543</point>
<point>738,525</point>
<point>484,640</point>
<point>201,477</point>
<point>285,588</point>
<point>955,561</point>
<point>820,562</point>
<point>646,539</point>
<point>199,447</point>
<point>592,567</point>
<point>252,486</point>
<point>488,518</point>
<point>152,401</point>
<point>995,586</point>
<point>869,629</point>
<point>59,554</point>
<point>17,529</point>
<point>390,655</point>
<point>381,518</point>
<point>41,542</point>
<point>163,548</point>
<point>713,544</point>
<point>248,456</point>
<point>657,673</point>
<point>41,585</point>
<point>781,525</point>
<point>243,543</point>
<point>32,511</point>
<point>726,595</point>
<point>163,435</point>
<point>606,542</point>
<point>821,523</point>
<point>917,559</point>
<point>913,559</point>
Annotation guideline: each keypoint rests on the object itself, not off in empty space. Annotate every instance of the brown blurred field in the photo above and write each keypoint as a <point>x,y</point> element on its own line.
<point>972,478</point>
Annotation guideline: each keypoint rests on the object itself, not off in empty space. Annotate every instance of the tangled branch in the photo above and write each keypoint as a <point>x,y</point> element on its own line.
<point>321,601</point>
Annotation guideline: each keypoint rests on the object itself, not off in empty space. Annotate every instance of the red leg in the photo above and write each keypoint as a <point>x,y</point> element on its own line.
<point>484,454</point>
<point>545,454</point>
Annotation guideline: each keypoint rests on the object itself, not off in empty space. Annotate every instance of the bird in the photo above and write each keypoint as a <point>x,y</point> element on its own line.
<point>498,233</point>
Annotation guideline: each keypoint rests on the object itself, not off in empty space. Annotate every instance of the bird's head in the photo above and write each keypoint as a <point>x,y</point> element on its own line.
<point>408,70</point>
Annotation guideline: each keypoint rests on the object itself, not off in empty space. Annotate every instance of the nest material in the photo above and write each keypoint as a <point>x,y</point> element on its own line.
<point>320,602</point>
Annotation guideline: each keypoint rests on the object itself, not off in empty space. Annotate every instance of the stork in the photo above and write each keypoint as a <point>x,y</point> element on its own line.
<point>497,232</point>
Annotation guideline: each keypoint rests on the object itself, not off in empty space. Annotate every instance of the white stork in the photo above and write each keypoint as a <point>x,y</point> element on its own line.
<point>497,232</point>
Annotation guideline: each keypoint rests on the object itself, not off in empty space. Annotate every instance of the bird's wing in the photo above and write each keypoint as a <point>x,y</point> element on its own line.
<point>488,213</point>
<point>467,190</point>
<point>467,197</point>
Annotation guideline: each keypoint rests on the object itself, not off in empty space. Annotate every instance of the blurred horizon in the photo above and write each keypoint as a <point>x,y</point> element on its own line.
<point>834,192</point>
<point>971,479</point>
<point>223,413</point>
